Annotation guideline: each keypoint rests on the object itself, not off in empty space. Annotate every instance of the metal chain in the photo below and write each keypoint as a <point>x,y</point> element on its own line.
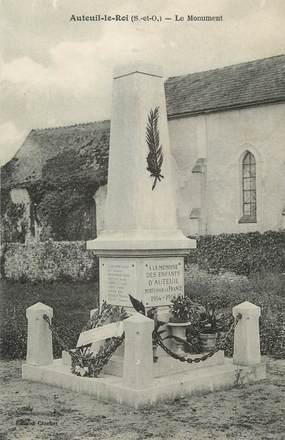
<point>95,363</point>
<point>58,338</point>
<point>189,360</point>
<point>106,354</point>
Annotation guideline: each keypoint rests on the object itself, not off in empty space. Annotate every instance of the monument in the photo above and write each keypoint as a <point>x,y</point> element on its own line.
<point>141,253</point>
<point>141,248</point>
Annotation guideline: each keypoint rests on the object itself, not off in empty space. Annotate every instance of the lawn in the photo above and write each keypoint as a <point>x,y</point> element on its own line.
<point>71,303</point>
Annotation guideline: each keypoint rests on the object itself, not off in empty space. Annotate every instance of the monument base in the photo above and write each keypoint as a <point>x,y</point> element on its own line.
<point>166,366</point>
<point>112,388</point>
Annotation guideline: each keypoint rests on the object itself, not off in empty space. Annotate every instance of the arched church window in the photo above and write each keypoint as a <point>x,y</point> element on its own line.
<point>249,187</point>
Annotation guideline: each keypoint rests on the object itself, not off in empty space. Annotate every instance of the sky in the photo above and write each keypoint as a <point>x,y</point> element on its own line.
<point>56,72</point>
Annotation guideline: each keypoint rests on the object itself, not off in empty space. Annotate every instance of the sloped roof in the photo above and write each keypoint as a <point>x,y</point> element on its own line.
<point>241,85</point>
<point>60,154</point>
<point>81,150</point>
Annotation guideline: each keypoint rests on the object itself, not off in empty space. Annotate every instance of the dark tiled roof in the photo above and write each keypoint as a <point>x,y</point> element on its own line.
<point>81,151</point>
<point>253,83</point>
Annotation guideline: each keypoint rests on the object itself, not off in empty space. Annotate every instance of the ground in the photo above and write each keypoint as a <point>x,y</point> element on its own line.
<point>35,411</point>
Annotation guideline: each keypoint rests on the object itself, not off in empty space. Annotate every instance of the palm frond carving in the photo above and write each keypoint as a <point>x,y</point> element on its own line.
<point>155,156</point>
<point>137,305</point>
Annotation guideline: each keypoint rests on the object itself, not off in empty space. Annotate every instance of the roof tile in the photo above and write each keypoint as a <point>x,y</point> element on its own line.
<point>241,85</point>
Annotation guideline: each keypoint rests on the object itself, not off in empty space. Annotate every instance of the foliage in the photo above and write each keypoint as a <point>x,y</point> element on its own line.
<point>192,345</point>
<point>13,337</point>
<point>84,361</point>
<point>13,224</point>
<point>107,315</point>
<point>244,253</point>
<point>86,364</point>
<point>208,320</point>
<point>63,210</point>
<point>272,335</point>
<point>183,309</point>
<point>227,290</point>
<point>49,261</point>
<point>193,338</point>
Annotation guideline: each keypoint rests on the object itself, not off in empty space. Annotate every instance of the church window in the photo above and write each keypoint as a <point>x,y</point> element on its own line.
<point>248,188</point>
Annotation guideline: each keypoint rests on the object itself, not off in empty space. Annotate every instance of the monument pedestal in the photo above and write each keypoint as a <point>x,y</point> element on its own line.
<point>141,381</point>
<point>166,365</point>
<point>112,388</point>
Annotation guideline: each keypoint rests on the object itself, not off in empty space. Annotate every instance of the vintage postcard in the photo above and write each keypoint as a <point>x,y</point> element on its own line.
<point>142,251</point>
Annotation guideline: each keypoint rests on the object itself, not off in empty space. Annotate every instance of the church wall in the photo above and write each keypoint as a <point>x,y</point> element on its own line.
<point>185,138</point>
<point>260,130</point>
<point>227,135</point>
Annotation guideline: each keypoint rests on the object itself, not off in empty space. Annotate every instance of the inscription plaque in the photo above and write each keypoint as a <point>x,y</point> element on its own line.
<point>118,278</point>
<point>155,281</point>
<point>163,280</point>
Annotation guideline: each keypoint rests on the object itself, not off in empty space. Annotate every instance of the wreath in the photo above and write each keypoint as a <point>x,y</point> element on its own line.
<point>84,362</point>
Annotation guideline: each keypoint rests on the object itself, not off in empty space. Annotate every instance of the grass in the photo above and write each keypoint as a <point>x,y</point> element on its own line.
<point>226,290</point>
<point>71,303</point>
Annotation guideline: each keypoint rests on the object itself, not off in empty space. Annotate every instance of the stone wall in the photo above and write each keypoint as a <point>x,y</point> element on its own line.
<point>49,261</point>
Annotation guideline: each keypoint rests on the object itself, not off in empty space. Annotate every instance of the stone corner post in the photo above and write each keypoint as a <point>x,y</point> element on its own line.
<point>39,346</point>
<point>246,336</point>
<point>138,358</point>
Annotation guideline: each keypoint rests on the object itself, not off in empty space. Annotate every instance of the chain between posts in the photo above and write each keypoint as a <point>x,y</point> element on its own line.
<point>100,359</point>
<point>91,365</point>
<point>190,360</point>
<point>58,338</point>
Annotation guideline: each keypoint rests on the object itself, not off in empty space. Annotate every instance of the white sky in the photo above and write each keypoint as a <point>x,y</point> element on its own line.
<point>55,72</point>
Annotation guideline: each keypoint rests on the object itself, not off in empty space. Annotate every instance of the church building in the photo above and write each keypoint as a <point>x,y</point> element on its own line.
<point>227,137</point>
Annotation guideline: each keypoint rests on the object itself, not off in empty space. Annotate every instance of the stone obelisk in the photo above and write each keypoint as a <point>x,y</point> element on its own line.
<point>141,249</point>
